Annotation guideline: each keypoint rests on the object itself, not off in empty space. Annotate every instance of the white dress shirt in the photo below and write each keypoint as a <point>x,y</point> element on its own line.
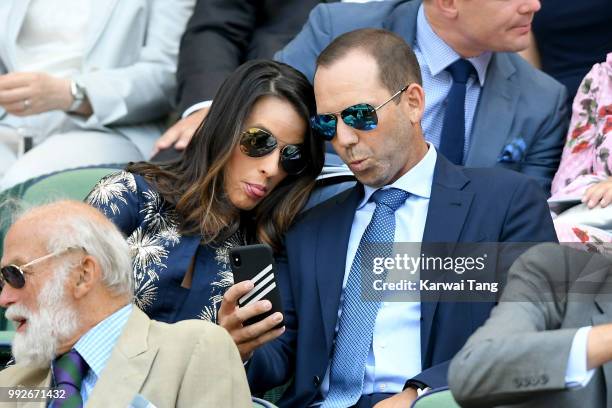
<point>577,375</point>
<point>395,353</point>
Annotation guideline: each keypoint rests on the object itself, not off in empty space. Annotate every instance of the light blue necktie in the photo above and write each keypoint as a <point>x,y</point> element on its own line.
<point>360,305</point>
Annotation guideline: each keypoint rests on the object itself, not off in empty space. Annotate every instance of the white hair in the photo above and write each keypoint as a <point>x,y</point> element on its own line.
<point>103,241</point>
<point>55,322</point>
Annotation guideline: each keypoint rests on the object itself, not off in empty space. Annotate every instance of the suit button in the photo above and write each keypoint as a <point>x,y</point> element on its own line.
<point>316,380</point>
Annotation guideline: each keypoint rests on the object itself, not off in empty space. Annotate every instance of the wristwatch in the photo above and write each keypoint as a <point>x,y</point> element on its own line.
<point>421,388</point>
<point>78,95</point>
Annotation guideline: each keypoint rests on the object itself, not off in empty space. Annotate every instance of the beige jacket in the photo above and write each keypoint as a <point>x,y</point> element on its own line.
<point>187,364</point>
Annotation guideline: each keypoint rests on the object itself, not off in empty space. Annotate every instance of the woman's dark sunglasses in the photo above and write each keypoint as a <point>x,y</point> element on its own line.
<point>14,275</point>
<point>361,117</point>
<point>255,142</point>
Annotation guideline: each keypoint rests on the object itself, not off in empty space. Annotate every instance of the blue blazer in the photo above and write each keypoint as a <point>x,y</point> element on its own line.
<point>521,118</point>
<point>466,205</point>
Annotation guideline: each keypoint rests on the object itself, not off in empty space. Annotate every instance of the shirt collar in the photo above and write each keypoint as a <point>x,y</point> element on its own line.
<point>97,344</point>
<point>417,181</point>
<point>438,55</point>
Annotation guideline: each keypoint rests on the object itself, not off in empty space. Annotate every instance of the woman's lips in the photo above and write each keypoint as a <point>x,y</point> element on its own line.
<point>255,191</point>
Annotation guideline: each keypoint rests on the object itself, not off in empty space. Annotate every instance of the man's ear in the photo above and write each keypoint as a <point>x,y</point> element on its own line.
<point>88,275</point>
<point>414,102</point>
<point>447,8</point>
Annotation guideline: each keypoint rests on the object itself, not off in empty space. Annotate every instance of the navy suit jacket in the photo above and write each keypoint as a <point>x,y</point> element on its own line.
<point>518,103</point>
<point>466,205</point>
<point>222,34</point>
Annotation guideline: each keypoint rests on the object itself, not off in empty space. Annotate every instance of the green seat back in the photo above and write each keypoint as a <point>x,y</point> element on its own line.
<point>438,398</point>
<point>70,184</point>
<point>73,184</point>
<point>6,336</point>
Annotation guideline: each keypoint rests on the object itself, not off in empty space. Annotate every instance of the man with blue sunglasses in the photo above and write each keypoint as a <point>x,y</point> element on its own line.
<point>339,349</point>
<point>485,105</point>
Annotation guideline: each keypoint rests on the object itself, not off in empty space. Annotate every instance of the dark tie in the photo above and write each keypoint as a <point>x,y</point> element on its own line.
<point>452,139</point>
<point>69,371</point>
<point>361,303</point>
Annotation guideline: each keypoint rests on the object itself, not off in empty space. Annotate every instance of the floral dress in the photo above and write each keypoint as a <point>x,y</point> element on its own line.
<point>586,157</point>
<point>161,255</point>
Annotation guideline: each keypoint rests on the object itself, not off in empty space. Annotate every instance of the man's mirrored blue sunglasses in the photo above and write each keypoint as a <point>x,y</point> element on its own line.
<point>361,116</point>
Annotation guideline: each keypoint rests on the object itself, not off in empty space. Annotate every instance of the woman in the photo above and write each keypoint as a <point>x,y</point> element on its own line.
<point>86,80</point>
<point>244,177</point>
<point>584,174</point>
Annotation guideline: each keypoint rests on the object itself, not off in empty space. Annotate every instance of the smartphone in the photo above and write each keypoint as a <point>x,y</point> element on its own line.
<point>256,263</point>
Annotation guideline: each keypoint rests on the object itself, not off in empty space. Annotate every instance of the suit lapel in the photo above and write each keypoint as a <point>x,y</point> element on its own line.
<point>128,366</point>
<point>18,12</point>
<point>495,112</point>
<point>101,11</point>
<point>333,233</point>
<point>448,210</point>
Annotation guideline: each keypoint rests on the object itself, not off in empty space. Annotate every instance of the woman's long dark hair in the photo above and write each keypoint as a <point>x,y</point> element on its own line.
<point>193,184</point>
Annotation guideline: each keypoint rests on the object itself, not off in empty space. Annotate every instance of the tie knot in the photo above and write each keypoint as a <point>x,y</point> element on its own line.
<point>70,368</point>
<point>460,70</point>
<point>391,197</point>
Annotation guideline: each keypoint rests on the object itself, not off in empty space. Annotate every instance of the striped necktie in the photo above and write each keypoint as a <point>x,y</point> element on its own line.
<point>69,371</point>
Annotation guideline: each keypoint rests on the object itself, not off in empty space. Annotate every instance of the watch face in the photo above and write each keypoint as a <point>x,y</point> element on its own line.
<point>78,96</point>
<point>77,91</point>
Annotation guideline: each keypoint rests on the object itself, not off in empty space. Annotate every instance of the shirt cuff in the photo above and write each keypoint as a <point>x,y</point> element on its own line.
<point>196,107</point>
<point>577,375</point>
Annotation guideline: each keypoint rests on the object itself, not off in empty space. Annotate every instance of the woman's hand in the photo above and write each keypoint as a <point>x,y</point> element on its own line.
<point>29,93</point>
<point>599,194</point>
<point>231,317</point>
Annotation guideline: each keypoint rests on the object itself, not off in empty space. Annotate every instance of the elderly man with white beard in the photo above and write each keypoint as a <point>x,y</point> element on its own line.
<point>66,281</point>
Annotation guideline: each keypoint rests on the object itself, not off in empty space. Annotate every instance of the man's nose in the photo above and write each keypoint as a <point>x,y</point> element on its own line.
<point>530,6</point>
<point>8,295</point>
<point>346,136</point>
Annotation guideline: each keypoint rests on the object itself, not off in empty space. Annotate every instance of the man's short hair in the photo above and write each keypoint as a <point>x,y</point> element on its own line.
<point>397,64</point>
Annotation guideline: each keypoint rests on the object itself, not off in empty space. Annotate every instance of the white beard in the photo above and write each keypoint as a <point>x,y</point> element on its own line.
<point>55,321</point>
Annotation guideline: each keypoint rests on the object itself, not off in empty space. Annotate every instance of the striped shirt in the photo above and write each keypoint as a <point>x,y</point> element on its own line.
<point>434,55</point>
<point>97,345</point>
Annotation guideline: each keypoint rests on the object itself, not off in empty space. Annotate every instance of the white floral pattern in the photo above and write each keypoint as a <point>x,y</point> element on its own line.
<point>156,235</point>
<point>111,189</point>
<point>149,243</point>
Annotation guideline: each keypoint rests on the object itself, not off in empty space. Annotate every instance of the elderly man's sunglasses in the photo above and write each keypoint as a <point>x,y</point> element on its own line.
<point>361,117</point>
<point>14,275</point>
<point>255,142</point>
